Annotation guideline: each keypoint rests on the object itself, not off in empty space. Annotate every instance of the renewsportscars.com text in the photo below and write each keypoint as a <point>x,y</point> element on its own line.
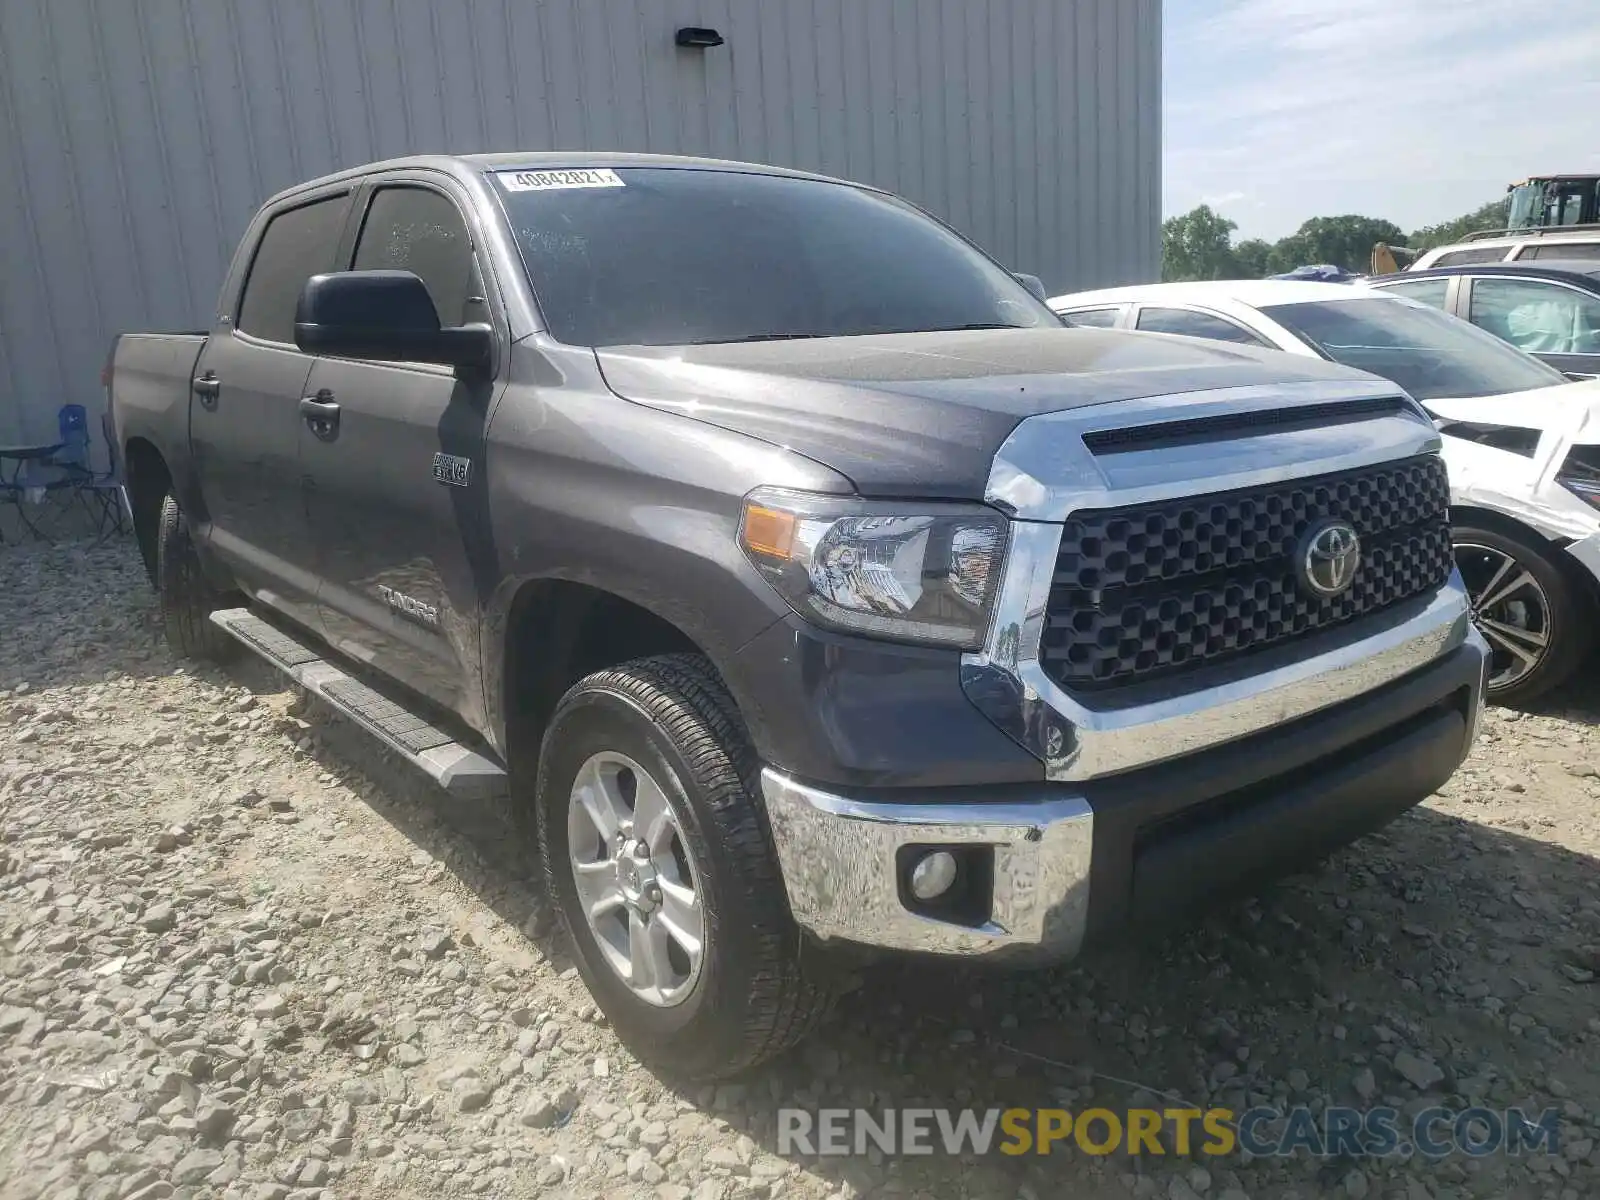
<point>1258,1132</point>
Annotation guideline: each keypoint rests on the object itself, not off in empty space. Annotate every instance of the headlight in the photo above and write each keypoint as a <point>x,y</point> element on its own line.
<point>911,572</point>
<point>1580,474</point>
<point>1585,489</point>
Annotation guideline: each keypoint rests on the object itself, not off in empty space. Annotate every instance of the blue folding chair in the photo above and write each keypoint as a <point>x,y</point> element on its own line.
<point>39,485</point>
<point>72,424</point>
<point>67,479</point>
<point>102,494</point>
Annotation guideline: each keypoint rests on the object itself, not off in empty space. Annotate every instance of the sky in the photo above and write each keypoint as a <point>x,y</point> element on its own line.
<point>1412,110</point>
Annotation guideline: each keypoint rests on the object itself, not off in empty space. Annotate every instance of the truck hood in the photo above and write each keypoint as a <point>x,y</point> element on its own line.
<point>924,413</point>
<point>1504,453</point>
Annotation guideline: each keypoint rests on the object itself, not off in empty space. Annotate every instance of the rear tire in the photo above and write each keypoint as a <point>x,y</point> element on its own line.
<point>1538,621</point>
<point>752,990</point>
<point>187,598</point>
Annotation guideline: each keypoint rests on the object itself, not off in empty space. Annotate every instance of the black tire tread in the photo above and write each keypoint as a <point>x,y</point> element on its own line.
<point>186,598</point>
<point>1574,629</point>
<point>683,695</point>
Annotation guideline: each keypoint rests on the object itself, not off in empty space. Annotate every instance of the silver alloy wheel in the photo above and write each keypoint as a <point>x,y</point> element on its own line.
<point>1509,608</point>
<point>636,880</point>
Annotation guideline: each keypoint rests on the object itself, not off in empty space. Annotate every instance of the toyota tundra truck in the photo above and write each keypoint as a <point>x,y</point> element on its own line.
<point>801,580</point>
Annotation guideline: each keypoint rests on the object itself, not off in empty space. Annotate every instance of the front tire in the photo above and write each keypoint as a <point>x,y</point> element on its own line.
<point>646,768</point>
<point>187,598</point>
<point>1537,620</point>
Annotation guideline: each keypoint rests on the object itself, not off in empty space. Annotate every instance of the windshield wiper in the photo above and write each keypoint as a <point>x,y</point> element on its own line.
<point>978,325</point>
<point>755,337</point>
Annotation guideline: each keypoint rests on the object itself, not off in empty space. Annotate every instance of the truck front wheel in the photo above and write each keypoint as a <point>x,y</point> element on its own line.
<point>656,853</point>
<point>187,598</point>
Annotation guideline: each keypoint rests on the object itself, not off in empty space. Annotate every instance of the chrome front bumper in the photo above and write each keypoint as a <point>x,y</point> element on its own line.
<point>842,857</point>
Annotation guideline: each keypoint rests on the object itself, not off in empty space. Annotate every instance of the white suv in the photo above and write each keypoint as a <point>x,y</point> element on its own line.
<point>1521,246</point>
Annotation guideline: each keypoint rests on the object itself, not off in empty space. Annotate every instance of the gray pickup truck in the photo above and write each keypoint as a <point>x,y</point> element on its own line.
<point>803,582</point>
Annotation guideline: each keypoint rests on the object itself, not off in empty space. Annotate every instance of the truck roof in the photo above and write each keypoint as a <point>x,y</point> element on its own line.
<point>535,160</point>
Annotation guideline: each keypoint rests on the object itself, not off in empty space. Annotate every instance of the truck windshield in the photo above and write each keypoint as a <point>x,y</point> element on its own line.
<point>667,256</point>
<point>1429,353</point>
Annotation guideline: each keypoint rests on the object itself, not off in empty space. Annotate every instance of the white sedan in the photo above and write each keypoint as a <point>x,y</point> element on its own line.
<point>1522,444</point>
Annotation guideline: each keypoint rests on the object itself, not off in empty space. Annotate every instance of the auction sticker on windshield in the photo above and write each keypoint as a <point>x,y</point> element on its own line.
<point>551,181</point>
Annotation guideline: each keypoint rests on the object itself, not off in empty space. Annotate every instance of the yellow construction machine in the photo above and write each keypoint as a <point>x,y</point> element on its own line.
<point>1387,259</point>
<point>1538,204</point>
<point>1547,201</point>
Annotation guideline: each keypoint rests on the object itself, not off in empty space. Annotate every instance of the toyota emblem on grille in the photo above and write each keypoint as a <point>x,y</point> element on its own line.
<point>1328,557</point>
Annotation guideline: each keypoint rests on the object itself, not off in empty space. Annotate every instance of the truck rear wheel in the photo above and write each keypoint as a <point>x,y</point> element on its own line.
<point>656,853</point>
<point>187,598</point>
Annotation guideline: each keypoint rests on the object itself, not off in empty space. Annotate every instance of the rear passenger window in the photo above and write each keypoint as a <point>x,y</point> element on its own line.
<point>1099,318</point>
<point>1455,258</point>
<point>1426,291</point>
<point>413,229</point>
<point>297,244</point>
<point>1194,324</point>
<point>1588,251</point>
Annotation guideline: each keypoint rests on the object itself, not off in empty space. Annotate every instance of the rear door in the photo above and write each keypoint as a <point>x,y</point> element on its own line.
<point>396,485</point>
<point>1550,320</point>
<point>244,426</point>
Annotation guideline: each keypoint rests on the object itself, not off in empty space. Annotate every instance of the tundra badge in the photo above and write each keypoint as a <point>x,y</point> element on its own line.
<point>452,469</point>
<point>410,606</point>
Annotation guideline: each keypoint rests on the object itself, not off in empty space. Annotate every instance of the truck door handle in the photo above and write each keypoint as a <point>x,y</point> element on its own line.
<point>208,387</point>
<point>321,413</point>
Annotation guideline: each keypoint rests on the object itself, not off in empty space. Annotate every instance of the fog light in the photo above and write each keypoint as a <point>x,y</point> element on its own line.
<point>933,875</point>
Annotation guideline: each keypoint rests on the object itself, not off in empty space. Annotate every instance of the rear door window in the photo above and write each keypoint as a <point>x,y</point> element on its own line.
<point>1097,318</point>
<point>1586,251</point>
<point>418,230</point>
<point>297,244</point>
<point>1424,291</point>
<point>1195,324</point>
<point>1484,254</point>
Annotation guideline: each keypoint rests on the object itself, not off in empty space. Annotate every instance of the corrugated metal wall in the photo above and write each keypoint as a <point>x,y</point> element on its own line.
<point>138,136</point>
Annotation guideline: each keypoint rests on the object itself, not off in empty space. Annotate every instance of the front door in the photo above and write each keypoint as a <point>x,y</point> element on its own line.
<point>396,486</point>
<point>245,421</point>
<point>1549,320</point>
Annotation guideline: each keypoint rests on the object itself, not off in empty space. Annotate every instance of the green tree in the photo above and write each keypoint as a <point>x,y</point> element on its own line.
<point>1492,215</point>
<point>1251,257</point>
<point>1197,245</point>
<point>1287,254</point>
<point>1345,241</point>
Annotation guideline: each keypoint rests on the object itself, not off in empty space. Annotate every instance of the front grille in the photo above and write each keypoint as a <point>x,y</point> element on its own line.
<point>1154,589</point>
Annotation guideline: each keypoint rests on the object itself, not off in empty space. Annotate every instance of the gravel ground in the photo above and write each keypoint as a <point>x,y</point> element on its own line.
<point>243,954</point>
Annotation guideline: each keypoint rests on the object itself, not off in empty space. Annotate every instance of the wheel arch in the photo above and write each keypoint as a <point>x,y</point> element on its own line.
<point>552,633</point>
<point>1507,525</point>
<point>148,479</point>
<point>1502,523</point>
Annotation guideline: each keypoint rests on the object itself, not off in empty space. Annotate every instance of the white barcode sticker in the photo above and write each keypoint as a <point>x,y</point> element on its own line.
<point>552,181</point>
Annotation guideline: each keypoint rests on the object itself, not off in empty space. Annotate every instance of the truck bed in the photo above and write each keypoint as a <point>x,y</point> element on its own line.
<point>151,376</point>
